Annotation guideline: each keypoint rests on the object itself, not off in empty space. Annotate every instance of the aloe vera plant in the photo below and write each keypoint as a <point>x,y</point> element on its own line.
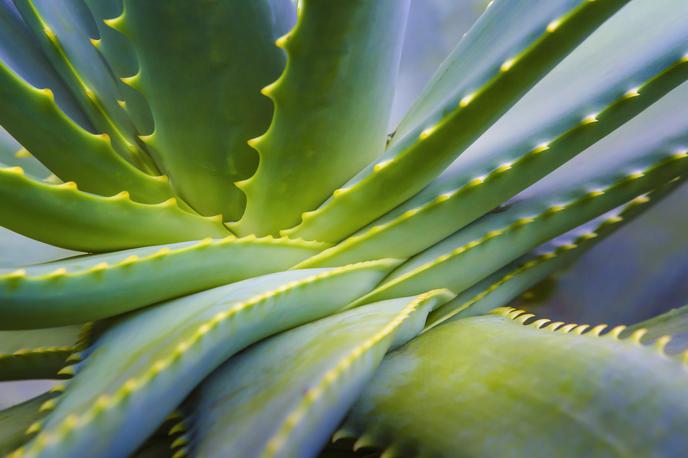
<point>261,269</point>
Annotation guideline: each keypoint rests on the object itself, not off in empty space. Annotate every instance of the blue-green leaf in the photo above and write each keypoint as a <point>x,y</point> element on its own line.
<point>490,386</point>
<point>285,396</point>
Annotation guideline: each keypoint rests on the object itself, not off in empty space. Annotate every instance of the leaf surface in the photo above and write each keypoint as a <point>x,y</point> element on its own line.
<point>140,369</point>
<point>487,385</point>
<point>285,396</point>
<point>94,287</point>
<point>326,126</point>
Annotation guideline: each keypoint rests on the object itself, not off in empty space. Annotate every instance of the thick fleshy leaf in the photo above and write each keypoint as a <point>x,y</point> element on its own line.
<point>326,125</point>
<point>478,55</point>
<point>36,354</point>
<point>20,50</point>
<point>636,276</point>
<point>93,287</point>
<point>64,29</point>
<point>66,217</point>
<point>501,287</point>
<point>201,68</point>
<point>140,369</point>
<point>644,46</point>
<point>13,155</point>
<point>545,211</point>
<point>413,162</point>
<point>15,420</point>
<point>285,396</point>
<point>120,55</point>
<point>673,323</point>
<point>33,118</point>
<point>489,385</point>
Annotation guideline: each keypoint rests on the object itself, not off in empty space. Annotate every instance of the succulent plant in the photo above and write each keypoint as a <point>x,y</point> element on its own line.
<point>263,270</point>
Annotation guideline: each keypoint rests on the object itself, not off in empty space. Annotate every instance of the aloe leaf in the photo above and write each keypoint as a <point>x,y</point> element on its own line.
<point>326,127</point>
<point>120,55</point>
<point>673,323</point>
<point>36,354</point>
<point>12,154</point>
<point>508,166</point>
<point>545,211</point>
<point>65,29</point>
<point>111,223</point>
<point>115,47</point>
<point>464,383</point>
<point>478,55</point>
<point>21,52</point>
<point>32,117</point>
<point>414,161</point>
<point>140,369</point>
<point>93,287</point>
<point>501,287</point>
<point>18,250</point>
<point>15,420</point>
<point>286,395</point>
<point>203,116</point>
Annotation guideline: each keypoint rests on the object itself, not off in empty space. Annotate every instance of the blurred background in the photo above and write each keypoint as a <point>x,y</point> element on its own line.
<point>638,272</point>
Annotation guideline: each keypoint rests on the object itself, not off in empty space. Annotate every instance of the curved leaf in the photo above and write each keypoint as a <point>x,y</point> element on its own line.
<point>285,396</point>
<point>99,286</point>
<point>499,288</point>
<point>673,323</point>
<point>14,422</point>
<point>146,364</point>
<point>414,161</point>
<point>64,29</point>
<point>326,127</point>
<point>20,51</point>
<point>76,220</point>
<point>503,29</point>
<point>36,354</point>
<point>120,55</point>
<point>455,200</point>
<point>547,210</point>
<point>204,114</point>
<point>487,385</point>
<point>31,116</point>
<point>12,154</point>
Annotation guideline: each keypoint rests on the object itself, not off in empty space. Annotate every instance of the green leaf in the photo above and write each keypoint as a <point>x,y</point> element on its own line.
<point>31,116</point>
<point>673,323</point>
<point>66,217</point>
<point>500,32</point>
<point>15,420</point>
<point>12,154</point>
<point>93,287</point>
<point>120,55</point>
<point>453,200</point>
<point>36,354</point>
<point>140,369</point>
<point>64,28</point>
<point>414,161</point>
<point>501,287</point>
<point>201,67</point>
<point>488,386</point>
<point>286,395</point>
<point>326,126</point>
<point>20,50</point>
<point>545,211</point>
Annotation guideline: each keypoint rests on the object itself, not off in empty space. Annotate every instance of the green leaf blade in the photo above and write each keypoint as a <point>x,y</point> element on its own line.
<point>488,385</point>
<point>325,127</point>
<point>311,374</point>
<point>116,401</point>
<point>94,287</point>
